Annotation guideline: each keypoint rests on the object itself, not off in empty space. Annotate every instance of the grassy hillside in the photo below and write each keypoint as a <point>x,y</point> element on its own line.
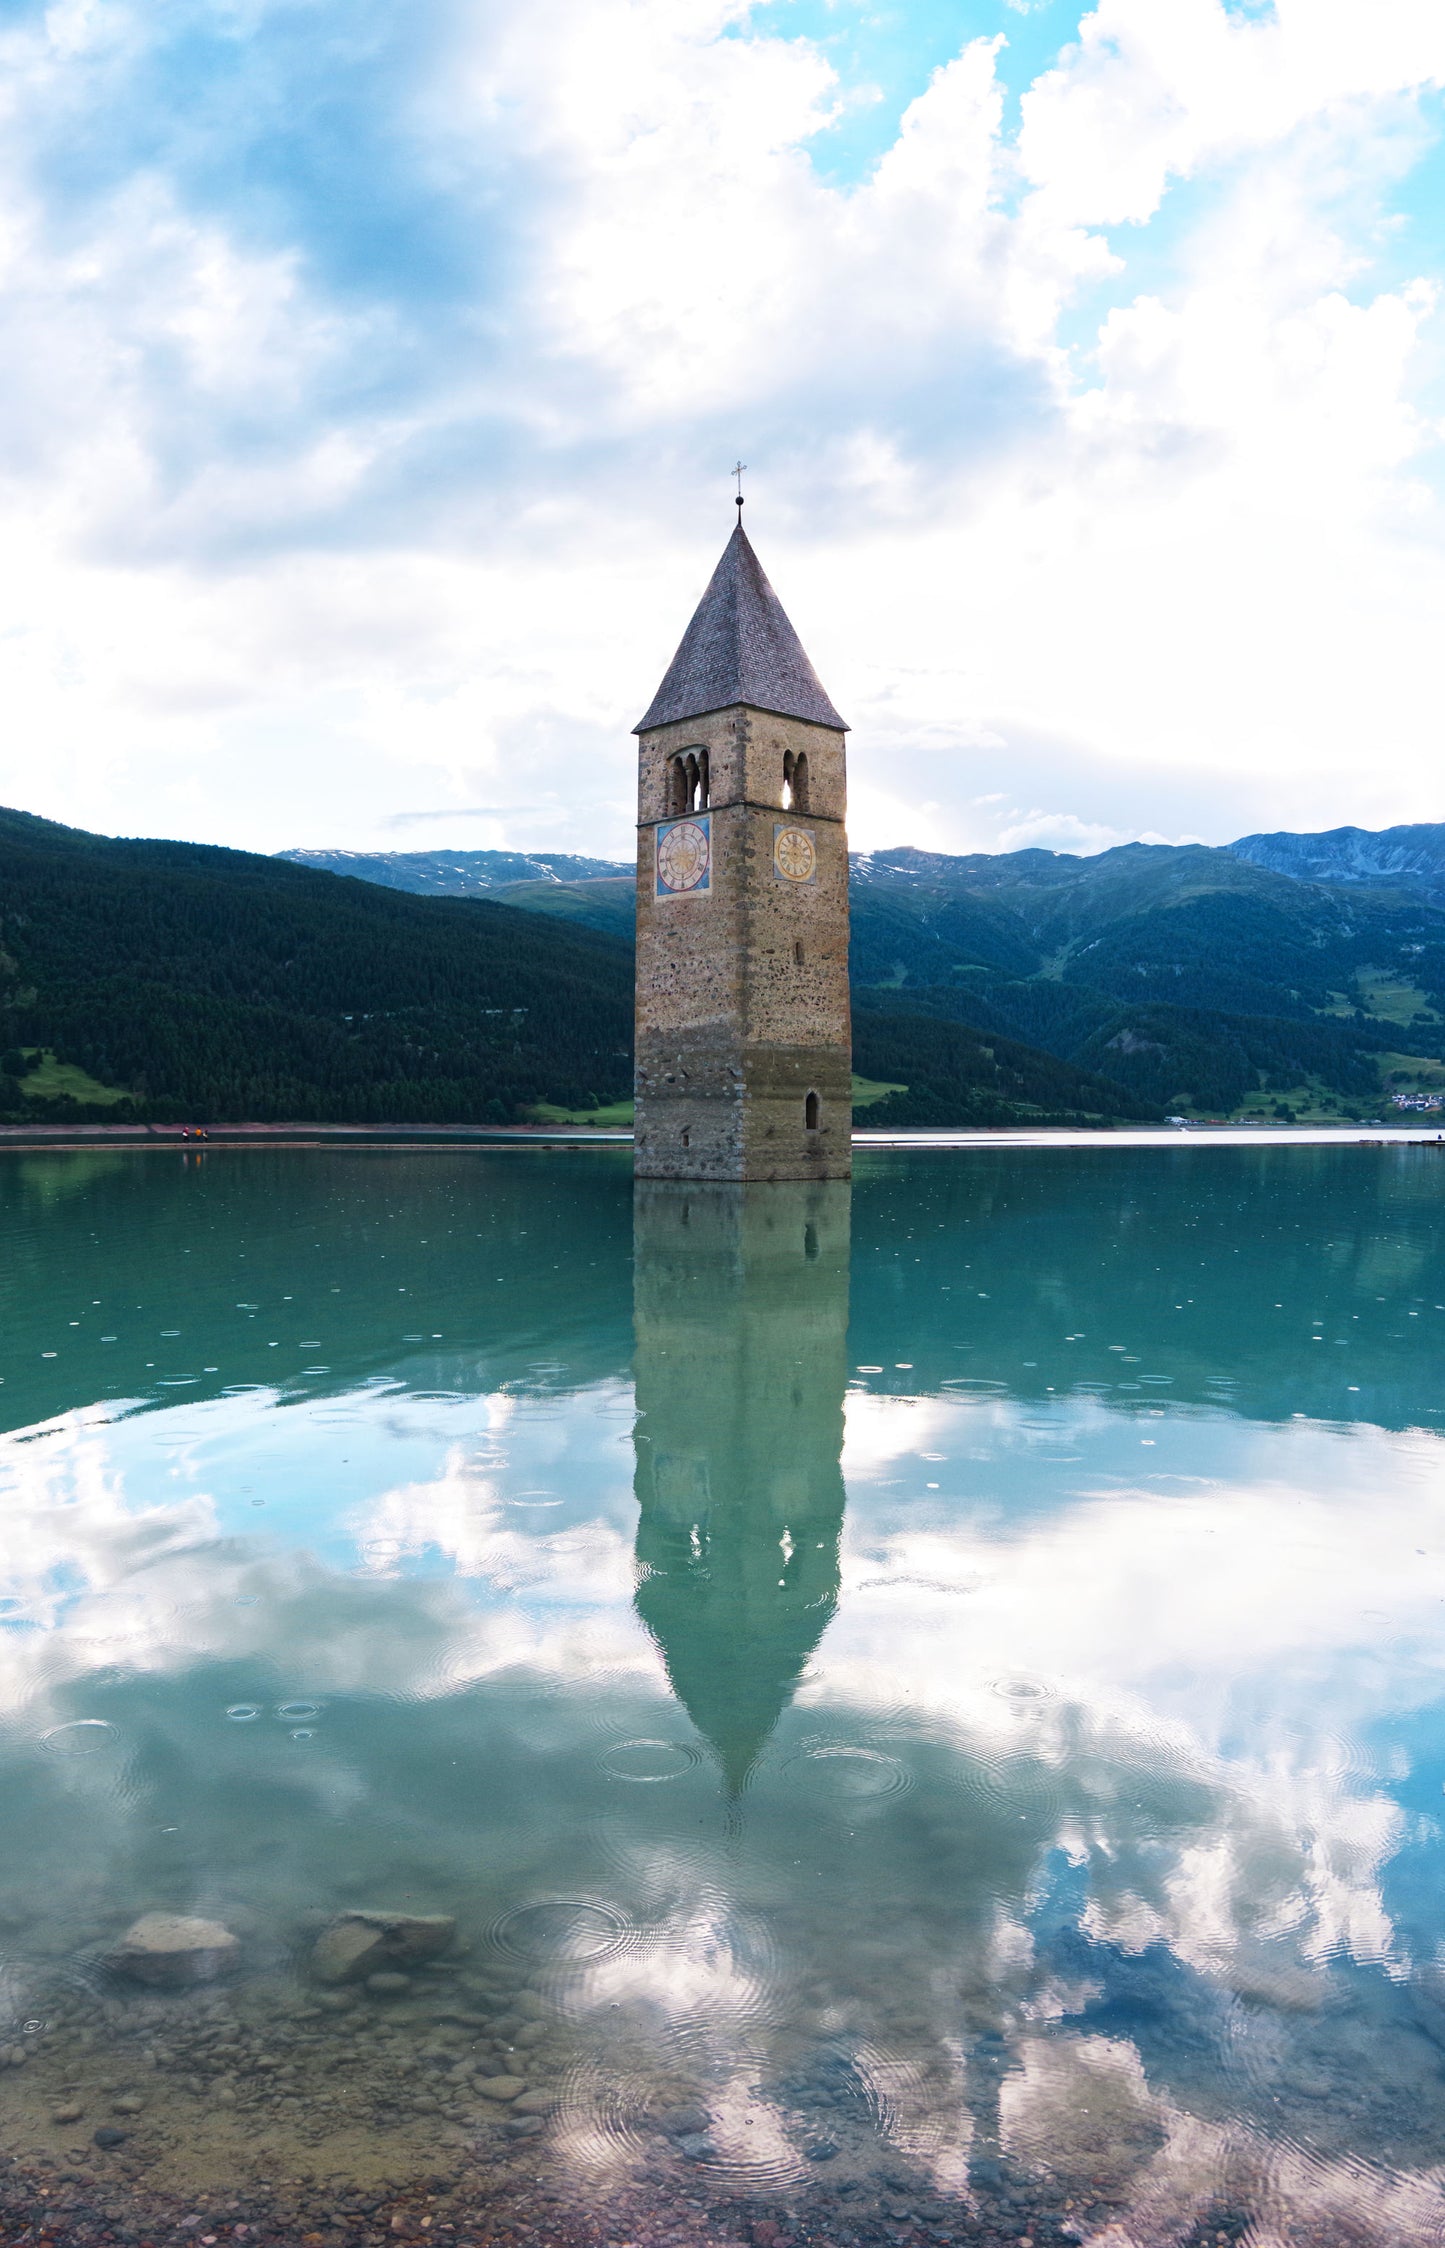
<point>211,984</point>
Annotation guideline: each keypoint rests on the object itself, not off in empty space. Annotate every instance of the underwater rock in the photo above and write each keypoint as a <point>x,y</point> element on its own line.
<point>682,2122</point>
<point>501,2087</point>
<point>358,1944</point>
<point>1262,1978</point>
<point>174,1948</point>
<point>1427,1995</point>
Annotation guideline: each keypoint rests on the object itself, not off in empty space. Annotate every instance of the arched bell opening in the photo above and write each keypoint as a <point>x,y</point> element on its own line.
<point>687,782</point>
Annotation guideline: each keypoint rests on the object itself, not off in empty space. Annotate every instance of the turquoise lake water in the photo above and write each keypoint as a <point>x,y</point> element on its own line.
<point>938,1686</point>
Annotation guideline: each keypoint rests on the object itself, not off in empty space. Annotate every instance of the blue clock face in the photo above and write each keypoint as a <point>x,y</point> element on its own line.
<point>684,857</point>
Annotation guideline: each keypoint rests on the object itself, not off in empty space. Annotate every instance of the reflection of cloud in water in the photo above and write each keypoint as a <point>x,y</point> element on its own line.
<point>1248,1632</point>
<point>1085,2115</point>
<point>1162,1703</point>
<point>1141,1621</point>
<point>467,1518</point>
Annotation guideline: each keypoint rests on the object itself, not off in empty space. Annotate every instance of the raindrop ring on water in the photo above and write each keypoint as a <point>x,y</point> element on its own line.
<point>297,1713</point>
<point>244,1713</point>
<point>856,1771</point>
<point>561,1929</point>
<point>648,1763</point>
<point>82,1737</point>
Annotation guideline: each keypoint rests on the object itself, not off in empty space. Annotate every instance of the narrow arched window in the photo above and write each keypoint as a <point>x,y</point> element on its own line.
<point>798,954</point>
<point>687,781</point>
<point>789,765</point>
<point>800,781</point>
<point>810,1113</point>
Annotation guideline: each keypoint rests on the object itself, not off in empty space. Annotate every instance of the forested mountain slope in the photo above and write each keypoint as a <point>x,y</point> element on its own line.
<point>176,981</point>
<point>1193,977</point>
<point>208,984</point>
<point>188,981</point>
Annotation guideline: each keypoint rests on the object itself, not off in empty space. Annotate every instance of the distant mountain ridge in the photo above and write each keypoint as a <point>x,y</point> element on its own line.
<point>1401,858</point>
<point>454,874</point>
<point>1284,974</point>
<point>1410,858</point>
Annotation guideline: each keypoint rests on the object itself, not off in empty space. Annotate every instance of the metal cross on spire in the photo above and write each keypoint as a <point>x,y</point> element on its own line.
<point>737,471</point>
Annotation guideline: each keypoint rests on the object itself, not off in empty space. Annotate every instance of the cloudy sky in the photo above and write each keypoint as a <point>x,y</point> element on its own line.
<point>370,372</point>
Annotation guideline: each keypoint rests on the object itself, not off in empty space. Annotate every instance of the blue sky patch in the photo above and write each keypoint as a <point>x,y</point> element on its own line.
<point>886,51</point>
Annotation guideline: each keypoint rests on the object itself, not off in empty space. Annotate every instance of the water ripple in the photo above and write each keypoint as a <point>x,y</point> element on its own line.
<point>82,1736</point>
<point>648,1763</point>
<point>849,1770</point>
<point>563,1931</point>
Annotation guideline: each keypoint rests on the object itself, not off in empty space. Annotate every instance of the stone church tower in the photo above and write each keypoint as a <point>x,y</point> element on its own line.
<point>744,1038</point>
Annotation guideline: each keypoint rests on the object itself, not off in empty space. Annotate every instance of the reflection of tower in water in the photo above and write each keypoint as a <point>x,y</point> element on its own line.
<point>741,1309</point>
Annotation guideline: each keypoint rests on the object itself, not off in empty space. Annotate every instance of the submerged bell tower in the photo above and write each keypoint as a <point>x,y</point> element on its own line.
<point>744,1037</point>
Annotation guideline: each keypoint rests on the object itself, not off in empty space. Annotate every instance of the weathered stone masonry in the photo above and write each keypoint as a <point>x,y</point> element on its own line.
<point>743,1028</point>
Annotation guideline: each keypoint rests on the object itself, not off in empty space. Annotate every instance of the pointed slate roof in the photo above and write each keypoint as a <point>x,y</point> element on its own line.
<point>740,648</point>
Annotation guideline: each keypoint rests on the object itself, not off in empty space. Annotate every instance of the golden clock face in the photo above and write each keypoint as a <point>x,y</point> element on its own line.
<point>684,857</point>
<point>795,854</point>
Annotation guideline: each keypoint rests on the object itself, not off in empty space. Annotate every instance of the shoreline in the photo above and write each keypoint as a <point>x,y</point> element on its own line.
<point>69,1138</point>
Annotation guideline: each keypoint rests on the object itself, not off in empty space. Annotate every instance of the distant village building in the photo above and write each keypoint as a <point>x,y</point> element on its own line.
<point>744,1037</point>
